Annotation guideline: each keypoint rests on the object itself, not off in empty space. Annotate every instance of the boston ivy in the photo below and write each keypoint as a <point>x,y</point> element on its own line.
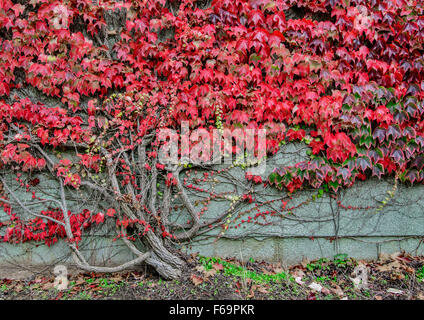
<point>343,76</point>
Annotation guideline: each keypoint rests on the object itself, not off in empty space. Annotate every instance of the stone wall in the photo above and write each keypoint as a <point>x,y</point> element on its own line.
<point>319,228</point>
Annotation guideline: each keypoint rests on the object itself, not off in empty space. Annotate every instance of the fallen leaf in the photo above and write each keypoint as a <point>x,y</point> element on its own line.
<point>79,281</point>
<point>393,266</point>
<point>378,298</point>
<point>298,276</point>
<point>395,255</point>
<point>262,289</point>
<point>95,288</point>
<point>18,288</point>
<point>209,273</point>
<point>38,280</point>
<point>397,276</point>
<point>47,286</point>
<point>311,296</point>
<point>325,291</point>
<point>196,279</point>
<point>200,268</point>
<point>337,290</point>
<point>277,268</point>
<point>119,278</point>
<point>299,280</point>
<point>315,286</point>
<point>267,272</point>
<point>409,269</point>
<point>218,266</point>
<point>404,258</point>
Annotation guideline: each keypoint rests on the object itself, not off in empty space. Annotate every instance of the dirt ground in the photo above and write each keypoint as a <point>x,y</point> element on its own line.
<point>399,276</point>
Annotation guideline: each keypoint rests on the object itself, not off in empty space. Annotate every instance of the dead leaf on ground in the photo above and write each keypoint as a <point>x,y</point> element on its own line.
<point>218,266</point>
<point>209,273</point>
<point>325,291</point>
<point>119,278</point>
<point>337,290</point>
<point>395,255</point>
<point>95,288</point>
<point>278,270</point>
<point>405,258</point>
<point>315,286</point>
<point>267,272</point>
<point>298,273</point>
<point>38,280</point>
<point>392,266</point>
<point>257,288</point>
<point>298,276</point>
<point>79,281</point>
<point>262,289</point>
<point>196,279</point>
<point>200,268</point>
<point>397,276</point>
<point>47,286</point>
<point>409,270</point>
<point>311,296</point>
<point>18,288</point>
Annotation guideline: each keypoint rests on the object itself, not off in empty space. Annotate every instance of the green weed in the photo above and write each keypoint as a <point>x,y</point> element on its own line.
<point>420,274</point>
<point>231,269</point>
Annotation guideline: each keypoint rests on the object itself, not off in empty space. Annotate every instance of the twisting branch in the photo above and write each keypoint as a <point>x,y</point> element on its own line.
<point>25,207</point>
<point>187,203</point>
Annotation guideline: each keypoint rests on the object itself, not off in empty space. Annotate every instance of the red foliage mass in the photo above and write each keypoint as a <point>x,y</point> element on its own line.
<point>349,83</point>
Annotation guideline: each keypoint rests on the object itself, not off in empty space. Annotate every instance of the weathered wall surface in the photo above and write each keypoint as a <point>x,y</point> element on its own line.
<point>321,228</point>
<point>317,228</point>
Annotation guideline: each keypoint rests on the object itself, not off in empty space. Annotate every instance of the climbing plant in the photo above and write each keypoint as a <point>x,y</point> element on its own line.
<point>86,86</point>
